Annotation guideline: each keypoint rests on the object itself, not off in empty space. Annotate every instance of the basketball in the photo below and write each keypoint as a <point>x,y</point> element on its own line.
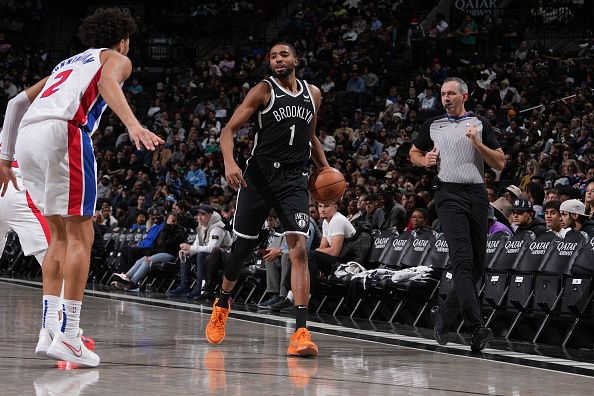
<point>327,185</point>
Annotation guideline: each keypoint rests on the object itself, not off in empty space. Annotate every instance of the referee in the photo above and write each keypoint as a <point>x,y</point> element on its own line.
<point>459,143</point>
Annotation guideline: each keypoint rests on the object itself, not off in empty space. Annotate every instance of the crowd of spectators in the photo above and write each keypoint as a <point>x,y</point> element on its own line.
<point>380,66</point>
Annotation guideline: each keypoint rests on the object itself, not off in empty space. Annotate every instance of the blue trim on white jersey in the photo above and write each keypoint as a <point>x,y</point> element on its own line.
<point>90,188</point>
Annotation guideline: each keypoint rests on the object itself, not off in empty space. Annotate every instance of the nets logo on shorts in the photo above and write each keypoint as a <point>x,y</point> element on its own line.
<point>302,219</point>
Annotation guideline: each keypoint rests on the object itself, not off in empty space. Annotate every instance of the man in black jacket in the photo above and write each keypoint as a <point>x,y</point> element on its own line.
<point>524,218</point>
<point>164,249</point>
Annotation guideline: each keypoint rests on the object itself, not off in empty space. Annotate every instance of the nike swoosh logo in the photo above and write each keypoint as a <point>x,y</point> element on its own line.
<point>306,97</point>
<point>280,96</point>
<point>76,352</point>
<point>305,173</point>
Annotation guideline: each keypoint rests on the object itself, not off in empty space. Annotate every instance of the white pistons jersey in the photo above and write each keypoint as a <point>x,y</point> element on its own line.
<point>71,93</point>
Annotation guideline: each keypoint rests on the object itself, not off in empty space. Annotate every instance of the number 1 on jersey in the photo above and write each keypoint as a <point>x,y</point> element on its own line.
<point>292,134</point>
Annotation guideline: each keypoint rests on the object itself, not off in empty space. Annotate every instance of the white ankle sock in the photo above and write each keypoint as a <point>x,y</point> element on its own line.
<point>49,318</point>
<point>70,317</point>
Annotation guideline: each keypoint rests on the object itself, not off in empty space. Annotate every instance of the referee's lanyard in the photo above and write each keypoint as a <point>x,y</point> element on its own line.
<point>454,119</point>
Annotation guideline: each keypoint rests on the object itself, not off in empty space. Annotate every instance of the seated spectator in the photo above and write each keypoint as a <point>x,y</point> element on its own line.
<point>211,233</point>
<point>185,218</point>
<point>389,213</point>
<point>107,218</point>
<point>511,193</point>
<point>132,253</point>
<point>496,226</point>
<point>524,218</point>
<point>589,198</point>
<point>163,250</point>
<point>420,219</point>
<point>362,209</point>
<point>140,223</point>
<point>503,211</point>
<point>573,216</point>
<point>552,216</point>
<point>196,178</point>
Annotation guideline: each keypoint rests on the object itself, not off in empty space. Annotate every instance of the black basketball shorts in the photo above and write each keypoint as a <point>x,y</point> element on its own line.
<point>284,190</point>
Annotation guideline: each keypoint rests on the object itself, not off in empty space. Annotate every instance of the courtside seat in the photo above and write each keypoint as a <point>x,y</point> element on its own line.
<point>334,287</point>
<point>495,243</point>
<point>390,257</point>
<point>363,289</point>
<point>584,262</point>
<point>528,260</point>
<point>438,258</point>
<point>550,282</point>
<point>408,291</point>
<point>578,290</point>
<point>521,282</point>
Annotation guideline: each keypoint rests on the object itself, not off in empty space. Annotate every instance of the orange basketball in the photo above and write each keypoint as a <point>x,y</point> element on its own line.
<point>327,185</point>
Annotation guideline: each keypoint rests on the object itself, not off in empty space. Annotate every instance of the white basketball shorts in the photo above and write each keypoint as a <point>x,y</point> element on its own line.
<point>19,213</point>
<point>58,167</point>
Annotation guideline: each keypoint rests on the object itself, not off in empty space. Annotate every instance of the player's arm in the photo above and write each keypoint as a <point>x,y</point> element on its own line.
<point>317,151</point>
<point>116,69</point>
<point>15,111</point>
<point>256,97</point>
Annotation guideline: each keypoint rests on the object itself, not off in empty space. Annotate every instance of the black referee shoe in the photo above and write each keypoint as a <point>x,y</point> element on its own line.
<point>440,331</point>
<point>480,338</point>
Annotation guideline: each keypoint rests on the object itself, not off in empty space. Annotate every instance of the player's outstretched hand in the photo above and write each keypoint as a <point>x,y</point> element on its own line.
<point>143,137</point>
<point>7,176</point>
<point>234,176</point>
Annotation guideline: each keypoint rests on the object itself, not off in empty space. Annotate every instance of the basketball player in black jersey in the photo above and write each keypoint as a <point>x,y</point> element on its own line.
<point>276,175</point>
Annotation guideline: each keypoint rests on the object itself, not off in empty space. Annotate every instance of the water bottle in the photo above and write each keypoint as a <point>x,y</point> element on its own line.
<point>183,256</point>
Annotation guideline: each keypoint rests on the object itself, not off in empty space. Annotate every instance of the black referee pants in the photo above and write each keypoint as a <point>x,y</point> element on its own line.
<point>462,211</point>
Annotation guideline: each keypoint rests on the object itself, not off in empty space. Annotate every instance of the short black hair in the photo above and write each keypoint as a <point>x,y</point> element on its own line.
<point>291,47</point>
<point>106,27</point>
<point>552,204</point>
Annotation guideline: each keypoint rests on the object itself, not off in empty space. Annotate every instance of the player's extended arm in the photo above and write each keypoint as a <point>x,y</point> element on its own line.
<point>15,111</point>
<point>317,151</point>
<point>257,96</point>
<point>116,69</point>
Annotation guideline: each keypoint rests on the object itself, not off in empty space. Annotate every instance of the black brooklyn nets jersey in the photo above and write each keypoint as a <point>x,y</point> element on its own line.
<point>283,127</point>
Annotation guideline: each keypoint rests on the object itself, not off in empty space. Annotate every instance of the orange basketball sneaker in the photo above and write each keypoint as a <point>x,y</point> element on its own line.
<point>301,344</point>
<point>215,329</point>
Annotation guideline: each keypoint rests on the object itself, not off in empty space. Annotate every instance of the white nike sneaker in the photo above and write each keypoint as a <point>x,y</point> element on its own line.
<point>45,340</point>
<point>72,350</point>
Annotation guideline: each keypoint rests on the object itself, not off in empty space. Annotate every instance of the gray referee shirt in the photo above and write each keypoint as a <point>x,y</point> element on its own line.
<point>459,160</point>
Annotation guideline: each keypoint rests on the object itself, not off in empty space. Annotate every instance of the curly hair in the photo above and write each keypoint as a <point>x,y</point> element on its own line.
<point>106,27</point>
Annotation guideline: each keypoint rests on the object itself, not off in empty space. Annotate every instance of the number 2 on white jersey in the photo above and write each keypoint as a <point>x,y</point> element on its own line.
<point>292,134</point>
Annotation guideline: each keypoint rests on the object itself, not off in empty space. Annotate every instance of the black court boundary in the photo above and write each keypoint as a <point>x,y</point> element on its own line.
<point>508,356</point>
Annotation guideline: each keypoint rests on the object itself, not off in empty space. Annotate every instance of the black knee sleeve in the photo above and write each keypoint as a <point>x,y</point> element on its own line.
<point>240,250</point>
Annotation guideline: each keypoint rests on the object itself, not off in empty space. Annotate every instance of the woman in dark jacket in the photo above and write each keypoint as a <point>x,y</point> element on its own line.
<point>165,249</point>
